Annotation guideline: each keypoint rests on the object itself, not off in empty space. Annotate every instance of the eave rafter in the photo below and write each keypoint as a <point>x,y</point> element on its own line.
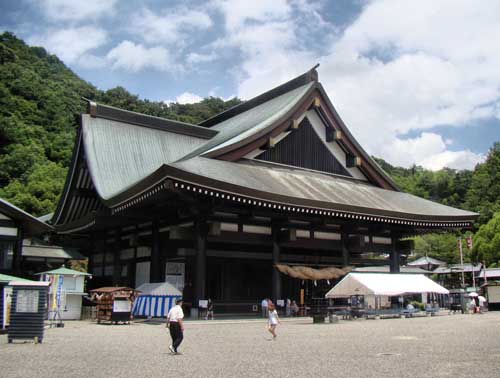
<point>290,209</point>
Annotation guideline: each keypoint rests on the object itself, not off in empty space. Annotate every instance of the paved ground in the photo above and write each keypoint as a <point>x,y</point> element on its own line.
<point>444,346</point>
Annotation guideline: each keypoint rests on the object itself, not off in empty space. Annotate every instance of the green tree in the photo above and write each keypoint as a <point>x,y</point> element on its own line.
<point>487,242</point>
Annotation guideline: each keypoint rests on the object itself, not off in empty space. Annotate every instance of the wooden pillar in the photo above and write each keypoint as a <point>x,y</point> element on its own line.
<point>200,260</point>
<point>346,257</point>
<point>117,268</point>
<point>155,267</point>
<point>276,278</point>
<point>17,257</point>
<point>394,256</point>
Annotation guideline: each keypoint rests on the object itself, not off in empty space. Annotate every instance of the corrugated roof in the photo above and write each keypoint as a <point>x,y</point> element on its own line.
<point>387,269</point>
<point>254,122</point>
<point>65,271</point>
<point>51,252</point>
<point>120,154</point>
<point>457,268</point>
<point>7,278</point>
<point>31,225</point>
<point>323,190</point>
<point>426,260</point>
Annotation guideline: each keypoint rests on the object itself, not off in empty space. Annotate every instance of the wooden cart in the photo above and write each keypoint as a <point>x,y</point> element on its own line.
<point>114,304</point>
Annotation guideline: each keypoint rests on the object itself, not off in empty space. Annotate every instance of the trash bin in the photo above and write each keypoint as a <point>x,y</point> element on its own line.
<point>28,311</point>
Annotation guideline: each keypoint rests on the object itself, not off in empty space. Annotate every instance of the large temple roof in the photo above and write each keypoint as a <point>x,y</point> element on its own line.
<point>127,154</point>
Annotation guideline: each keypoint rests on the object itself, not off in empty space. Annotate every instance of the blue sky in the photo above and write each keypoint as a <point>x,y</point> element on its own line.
<point>416,82</point>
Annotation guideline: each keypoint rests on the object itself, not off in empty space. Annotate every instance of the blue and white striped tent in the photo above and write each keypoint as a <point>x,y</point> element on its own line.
<point>155,300</point>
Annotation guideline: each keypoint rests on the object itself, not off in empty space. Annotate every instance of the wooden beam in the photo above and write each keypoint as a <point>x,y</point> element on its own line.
<point>353,161</point>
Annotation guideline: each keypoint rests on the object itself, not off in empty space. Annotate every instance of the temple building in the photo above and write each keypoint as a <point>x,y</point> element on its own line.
<point>214,208</point>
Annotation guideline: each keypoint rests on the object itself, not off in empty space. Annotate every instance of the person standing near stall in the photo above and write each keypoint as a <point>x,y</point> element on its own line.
<point>176,325</point>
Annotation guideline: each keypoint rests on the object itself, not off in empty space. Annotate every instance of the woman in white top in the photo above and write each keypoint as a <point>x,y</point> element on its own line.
<point>273,321</point>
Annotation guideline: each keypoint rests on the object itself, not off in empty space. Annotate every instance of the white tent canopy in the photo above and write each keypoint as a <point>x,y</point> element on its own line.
<point>380,284</point>
<point>159,288</point>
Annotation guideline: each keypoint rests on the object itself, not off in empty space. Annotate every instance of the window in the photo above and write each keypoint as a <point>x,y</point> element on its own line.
<point>6,255</point>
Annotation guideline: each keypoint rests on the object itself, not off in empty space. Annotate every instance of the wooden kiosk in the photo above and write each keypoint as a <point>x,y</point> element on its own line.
<point>114,304</point>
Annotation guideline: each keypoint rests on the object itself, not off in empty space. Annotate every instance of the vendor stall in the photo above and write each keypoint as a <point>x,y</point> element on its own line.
<point>114,304</point>
<point>155,299</point>
<point>378,287</point>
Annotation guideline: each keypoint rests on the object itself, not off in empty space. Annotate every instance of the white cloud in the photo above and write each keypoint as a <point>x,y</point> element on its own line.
<point>431,65</point>
<point>453,159</point>
<point>171,26</point>
<point>72,43</point>
<point>265,34</point>
<point>74,10</point>
<point>186,98</point>
<point>136,57</point>
<point>427,64</point>
<point>195,58</point>
<point>240,13</point>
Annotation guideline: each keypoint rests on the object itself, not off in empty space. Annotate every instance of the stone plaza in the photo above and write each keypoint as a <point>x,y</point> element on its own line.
<point>441,346</point>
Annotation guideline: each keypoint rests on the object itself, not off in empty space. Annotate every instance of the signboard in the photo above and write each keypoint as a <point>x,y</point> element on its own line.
<point>175,268</point>
<point>175,274</point>
<point>7,303</point>
<point>59,288</point>
<point>203,303</point>
<point>121,305</point>
<point>280,302</point>
<point>27,301</point>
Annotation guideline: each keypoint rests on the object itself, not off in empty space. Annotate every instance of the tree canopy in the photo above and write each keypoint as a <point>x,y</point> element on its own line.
<point>39,100</point>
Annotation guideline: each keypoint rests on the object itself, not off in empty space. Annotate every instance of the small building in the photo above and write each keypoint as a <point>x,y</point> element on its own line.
<point>492,291</point>
<point>72,290</point>
<point>16,225</point>
<point>6,297</point>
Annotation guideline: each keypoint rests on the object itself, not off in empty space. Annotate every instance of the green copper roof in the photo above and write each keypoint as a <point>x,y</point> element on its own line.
<point>120,154</point>
<point>66,271</point>
<point>252,123</point>
<point>7,278</point>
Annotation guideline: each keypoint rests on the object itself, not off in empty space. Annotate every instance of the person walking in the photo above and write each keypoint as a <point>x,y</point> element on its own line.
<point>274,320</point>
<point>210,310</point>
<point>264,305</point>
<point>176,325</point>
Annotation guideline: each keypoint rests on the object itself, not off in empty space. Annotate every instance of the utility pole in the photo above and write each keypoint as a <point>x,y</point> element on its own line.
<point>462,261</point>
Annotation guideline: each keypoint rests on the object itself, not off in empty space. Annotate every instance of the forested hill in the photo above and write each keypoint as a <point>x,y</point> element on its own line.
<point>39,98</point>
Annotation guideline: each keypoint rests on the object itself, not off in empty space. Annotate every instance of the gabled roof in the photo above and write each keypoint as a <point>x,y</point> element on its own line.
<point>31,226</point>
<point>426,260</point>
<point>122,157</point>
<point>248,125</point>
<point>65,272</point>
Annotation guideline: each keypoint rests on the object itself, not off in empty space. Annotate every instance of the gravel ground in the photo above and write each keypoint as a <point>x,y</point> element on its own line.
<point>442,346</point>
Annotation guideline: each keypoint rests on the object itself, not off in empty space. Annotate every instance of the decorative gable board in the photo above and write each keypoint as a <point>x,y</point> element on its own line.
<point>304,148</point>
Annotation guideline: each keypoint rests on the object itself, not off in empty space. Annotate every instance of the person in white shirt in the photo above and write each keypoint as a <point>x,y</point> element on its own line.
<point>264,304</point>
<point>176,326</point>
<point>273,321</point>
